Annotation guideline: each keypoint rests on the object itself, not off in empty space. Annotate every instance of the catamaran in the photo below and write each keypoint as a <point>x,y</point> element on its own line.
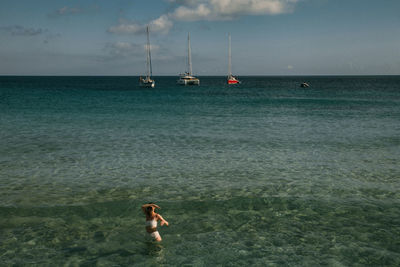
<point>148,81</point>
<point>231,79</point>
<point>187,78</point>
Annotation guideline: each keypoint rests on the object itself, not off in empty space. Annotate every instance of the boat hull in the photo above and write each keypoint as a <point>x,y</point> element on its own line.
<point>151,84</point>
<point>233,82</point>
<point>188,82</point>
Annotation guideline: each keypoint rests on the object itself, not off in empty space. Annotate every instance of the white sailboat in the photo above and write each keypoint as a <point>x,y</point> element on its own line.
<point>231,79</point>
<point>148,81</point>
<point>187,78</point>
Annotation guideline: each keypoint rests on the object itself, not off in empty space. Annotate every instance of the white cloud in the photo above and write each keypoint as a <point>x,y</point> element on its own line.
<point>229,9</point>
<point>185,13</point>
<point>126,27</point>
<point>252,7</point>
<point>161,25</point>
<point>191,10</point>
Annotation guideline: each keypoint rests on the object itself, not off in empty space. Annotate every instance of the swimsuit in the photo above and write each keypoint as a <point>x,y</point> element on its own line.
<point>153,224</point>
<point>155,235</point>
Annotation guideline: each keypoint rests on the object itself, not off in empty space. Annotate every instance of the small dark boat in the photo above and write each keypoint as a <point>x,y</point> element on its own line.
<point>304,85</point>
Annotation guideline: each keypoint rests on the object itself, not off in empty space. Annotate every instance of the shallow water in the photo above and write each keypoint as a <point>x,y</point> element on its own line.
<point>264,173</point>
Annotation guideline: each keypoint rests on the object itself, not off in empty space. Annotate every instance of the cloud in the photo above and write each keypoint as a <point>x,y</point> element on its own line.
<point>230,9</point>
<point>126,27</point>
<point>19,30</point>
<point>68,11</point>
<point>192,10</point>
<point>252,7</point>
<point>160,25</point>
<point>191,14</point>
<point>123,48</point>
<point>129,53</point>
<point>163,24</point>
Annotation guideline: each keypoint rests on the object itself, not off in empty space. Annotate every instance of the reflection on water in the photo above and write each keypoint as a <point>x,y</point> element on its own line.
<point>155,252</point>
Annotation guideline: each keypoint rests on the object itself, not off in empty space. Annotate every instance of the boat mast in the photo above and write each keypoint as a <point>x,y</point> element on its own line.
<point>189,56</point>
<point>229,57</point>
<point>149,67</point>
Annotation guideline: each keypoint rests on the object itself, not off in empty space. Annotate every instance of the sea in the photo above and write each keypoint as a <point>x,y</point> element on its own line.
<point>264,173</point>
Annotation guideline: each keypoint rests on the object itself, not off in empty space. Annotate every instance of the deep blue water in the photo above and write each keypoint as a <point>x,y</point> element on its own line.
<point>265,173</point>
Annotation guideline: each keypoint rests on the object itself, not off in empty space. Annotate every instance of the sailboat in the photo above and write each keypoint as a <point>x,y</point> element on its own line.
<point>231,79</point>
<point>187,78</point>
<point>148,81</point>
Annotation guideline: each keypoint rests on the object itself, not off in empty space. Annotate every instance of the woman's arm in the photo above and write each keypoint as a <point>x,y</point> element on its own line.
<point>162,220</point>
<point>155,206</point>
<point>149,205</point>
<point>145,206</point>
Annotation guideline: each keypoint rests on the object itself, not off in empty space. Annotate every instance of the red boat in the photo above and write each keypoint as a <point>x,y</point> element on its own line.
<point>231,79</point>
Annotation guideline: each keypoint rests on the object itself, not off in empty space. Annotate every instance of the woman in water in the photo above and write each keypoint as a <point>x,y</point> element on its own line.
<point>151,220</point>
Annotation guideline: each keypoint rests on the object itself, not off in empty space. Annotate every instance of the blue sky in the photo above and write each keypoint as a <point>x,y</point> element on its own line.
<point>269,37</point>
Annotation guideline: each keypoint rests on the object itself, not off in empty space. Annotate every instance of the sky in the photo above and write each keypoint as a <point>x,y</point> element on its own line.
<point>269,37</point>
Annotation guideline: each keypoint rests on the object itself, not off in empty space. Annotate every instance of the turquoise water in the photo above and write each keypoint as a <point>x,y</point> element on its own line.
<point>261,174</point>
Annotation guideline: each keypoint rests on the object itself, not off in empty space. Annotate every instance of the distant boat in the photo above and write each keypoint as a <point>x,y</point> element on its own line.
<point>187,78</point>
<point>231,79</point>
<point>148,81</point>
<point>304,85</point>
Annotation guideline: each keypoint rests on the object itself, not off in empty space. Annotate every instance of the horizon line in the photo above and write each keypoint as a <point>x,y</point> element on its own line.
<point>253,75</point>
